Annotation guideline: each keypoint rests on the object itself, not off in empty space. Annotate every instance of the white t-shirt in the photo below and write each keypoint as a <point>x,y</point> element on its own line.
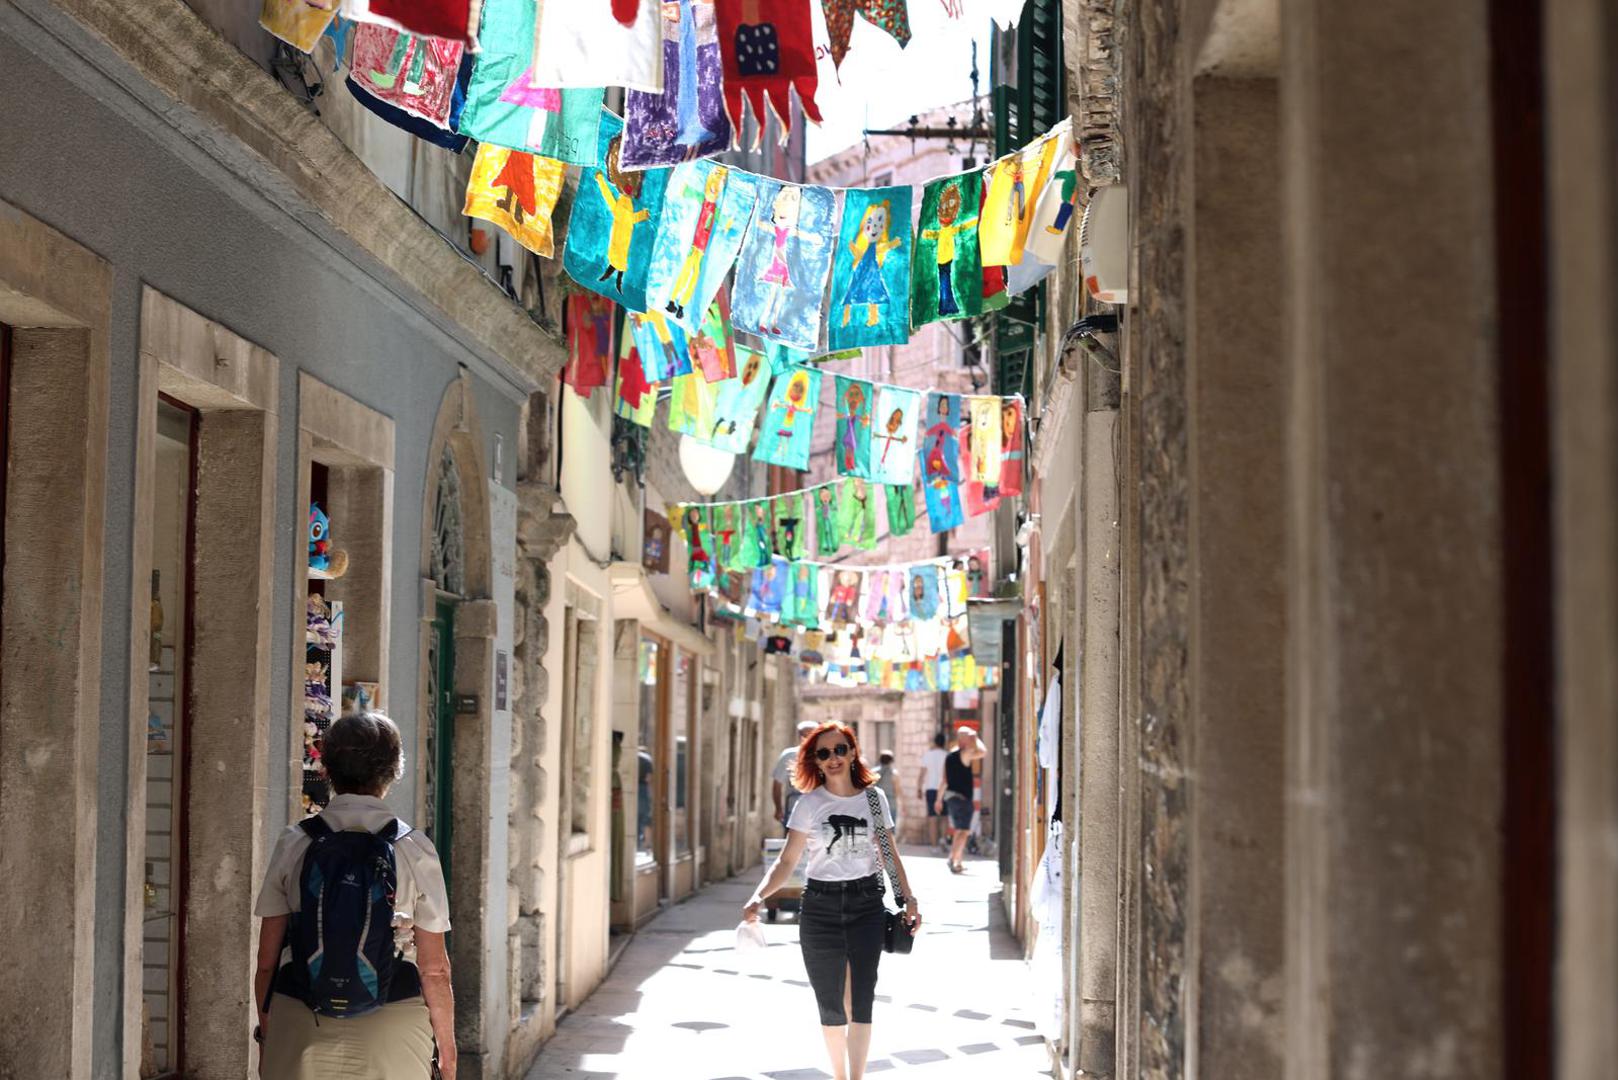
<point>842,844</point>
<point>421,896</point>
<point>782,773</point>
<point>932,767</point>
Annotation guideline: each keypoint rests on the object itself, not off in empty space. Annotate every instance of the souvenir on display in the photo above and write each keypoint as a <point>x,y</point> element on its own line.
<point>941,461</point>
<point>890,16</point>
<point>895,424</point>
<point>768,50</point>
<point>789,418</point>
<point>589,342</point>
<point>615,218</point>
<point>319,538</point>
<point>853,431</point>
<point>791,525</point>
<point>870,278</point>
<point>1011,446</point>
<point>785,258</point>
<point>412,73</point>
<point>299,23</point>
<point>828,526</point>
<point>687,119</point>
<point>516,191</point>
<point>505,106</point>
<point>736,411</point>
<point>946,275</point>
<point>584,45</point>
<point>856,505</point>
<point>901,502</point>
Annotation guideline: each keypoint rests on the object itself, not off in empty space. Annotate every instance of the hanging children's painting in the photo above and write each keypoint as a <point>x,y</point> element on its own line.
<point>895,429</point>
<point>791,525</point>
<point>299,23</point>
<point>698,547</point>
<point>901,500</point>
<point>724,528</point>
<point>1016,183</point>
<point>941,461</point>
<point>977,497</point>
<point>789,418</point>
<point>781,272</point>
<point>687,120</point>
<point>924,592</point>
<point>891,16</point>
<point>636,399</point>
<point>712,348</point>
<point>1012,452</point>
<point>768,48</point>
<point>984,411</point>
<point>946,274</point>
<point>852,445</point>
<point>756,545</point>
<point>505,106</point>
<point>736,411</point>
<point>692,403</point>
<point>828,523</point>
<point>870,278</point>
<point>412,73</point>
<point>662,345</point>
<point>730,223</point>
<point>615,218</point>
<point>856,511</point>
<point>1053,213</point>
<point>801,606</point>
<point>690,205</point>
<point>589,342</point>
<point>582,44</point>
<point>768,589</point>
<point>517,192</point>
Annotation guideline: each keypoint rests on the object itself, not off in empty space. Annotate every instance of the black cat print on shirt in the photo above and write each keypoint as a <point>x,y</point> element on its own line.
<point>842,825</point>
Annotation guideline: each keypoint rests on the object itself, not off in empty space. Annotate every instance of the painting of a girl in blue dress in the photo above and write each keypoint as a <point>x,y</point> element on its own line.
<point>781,272</point>
<point>870,281</point>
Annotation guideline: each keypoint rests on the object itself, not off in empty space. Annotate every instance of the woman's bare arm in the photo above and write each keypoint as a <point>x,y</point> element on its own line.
<point>777,877</point>
<point>432,960</point>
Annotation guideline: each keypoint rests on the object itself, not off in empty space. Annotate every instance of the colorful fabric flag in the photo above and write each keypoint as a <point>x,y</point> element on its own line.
<point>737,409</point>
<point>1053,214</point>
<point>698,545</point>
<point>589,342</point>
<point>413,73</point>
<point>986,439</point>
<point>435,18</point>
<point>1015,184</point>
<point>615,219</point>
<point>663,352</point>
<point>690,206</point>
<point>712,349</point>
<point>517,192</point>
<point>724,526</point>
<point>885,596</point>
<point>299,23</point>
<point>504,105</point>
<point>729,230</point>
<point>941,461</point>
<point>768,48</point>
<point>789,418</point>
<point>636,398</point>
<point>946,275</point>
<point>828,527</point>
<point>581,44</point>
<point>781,272</point>
<point>1012,445</point>
<point>924,592</point>
<point>901,499</point>
<point>769,588</point>
<point>801,607</point>
<point>977,573</point>
<point>692,404</point>
<point>791,525</point>
<point>856,511</point>
<point>977,499</point>
<point>447,136</point>
<point>995,296</point>
<point>870,277</point>
<point>687,120</point>
<point>895,423</point>
<point>890,16</point>
<point>756,545</point>
<point>843,600</point>
<point>853,431</point>
<point>1026,274</point>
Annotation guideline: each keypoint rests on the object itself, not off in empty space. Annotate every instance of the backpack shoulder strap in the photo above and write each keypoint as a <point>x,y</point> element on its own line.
<point>315,827</point>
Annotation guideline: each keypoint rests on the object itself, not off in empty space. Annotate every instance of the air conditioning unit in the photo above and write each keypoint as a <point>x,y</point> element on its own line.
<point>1104,245</point>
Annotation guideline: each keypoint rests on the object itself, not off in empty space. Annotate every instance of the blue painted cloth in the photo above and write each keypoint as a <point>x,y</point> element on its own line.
<point>614,224</point>
<point>784,262</point>
<point>870,277</point>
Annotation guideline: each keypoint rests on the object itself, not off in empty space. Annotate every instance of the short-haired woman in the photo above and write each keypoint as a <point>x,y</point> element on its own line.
<point>841,924</point>
<point>362,758</point>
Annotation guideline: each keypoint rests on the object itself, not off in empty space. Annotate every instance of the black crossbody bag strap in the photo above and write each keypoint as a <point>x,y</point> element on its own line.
<point>888,862</point>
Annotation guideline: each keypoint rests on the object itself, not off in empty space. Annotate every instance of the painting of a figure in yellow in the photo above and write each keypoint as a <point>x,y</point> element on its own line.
<point>615,220</point>
<point>517,192</point>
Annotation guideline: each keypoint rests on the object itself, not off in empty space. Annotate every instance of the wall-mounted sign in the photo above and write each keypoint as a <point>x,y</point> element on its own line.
<point>466,704</point>
<point>655,547</point>
<point>501,681</point>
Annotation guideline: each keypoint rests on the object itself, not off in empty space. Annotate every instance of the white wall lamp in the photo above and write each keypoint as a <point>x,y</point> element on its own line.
<point>708,468</point>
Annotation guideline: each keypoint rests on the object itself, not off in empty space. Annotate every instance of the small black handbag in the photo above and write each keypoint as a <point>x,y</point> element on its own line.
<point>897,936</point>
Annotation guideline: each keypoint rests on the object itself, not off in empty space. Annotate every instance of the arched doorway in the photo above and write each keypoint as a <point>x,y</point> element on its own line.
<point>446,559</point>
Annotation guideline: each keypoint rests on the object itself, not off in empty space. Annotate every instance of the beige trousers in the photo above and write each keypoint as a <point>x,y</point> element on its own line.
<point>394,1042</point>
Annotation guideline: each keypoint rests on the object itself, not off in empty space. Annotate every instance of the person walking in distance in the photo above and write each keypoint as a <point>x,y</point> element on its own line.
<point>887,779</point>
<point>781,789</point>
<point>956,797</point>
<point>356,900</point>
<point>842,922</point>
<point>929,779</point>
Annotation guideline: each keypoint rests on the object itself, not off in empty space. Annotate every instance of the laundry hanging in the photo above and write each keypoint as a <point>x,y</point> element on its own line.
<point>941,461</point>
<point>516,191</point>
<point>784,261</point>
<point>615,218</point>
<point>688,118</point>
<point>768,50</point>
<point>789,418</point>
<point>890,16</point>
<point>895,434</point>
<point>581,44</point>
<point>946,275</point>
<point>870,280</point>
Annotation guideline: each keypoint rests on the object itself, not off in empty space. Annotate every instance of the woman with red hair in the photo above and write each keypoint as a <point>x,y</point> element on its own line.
<point>841,925</point>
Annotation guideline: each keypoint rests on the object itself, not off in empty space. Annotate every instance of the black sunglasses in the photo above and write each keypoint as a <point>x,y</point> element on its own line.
<point>823,754</point>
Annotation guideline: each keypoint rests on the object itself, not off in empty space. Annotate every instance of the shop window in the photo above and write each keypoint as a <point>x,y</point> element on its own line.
<point>682,697</point>
<point>167,692</point>
<point>647,673</point>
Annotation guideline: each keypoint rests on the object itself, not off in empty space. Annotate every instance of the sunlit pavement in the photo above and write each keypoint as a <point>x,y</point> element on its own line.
<point>683,1004</point>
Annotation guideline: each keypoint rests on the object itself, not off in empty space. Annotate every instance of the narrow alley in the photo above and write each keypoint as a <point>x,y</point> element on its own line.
<point>682,1004</point>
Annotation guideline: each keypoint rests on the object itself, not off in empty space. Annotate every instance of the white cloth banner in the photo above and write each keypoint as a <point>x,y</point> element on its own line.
<point>581,45</point>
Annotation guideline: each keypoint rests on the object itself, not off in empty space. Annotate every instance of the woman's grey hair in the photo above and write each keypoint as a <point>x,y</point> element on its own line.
<point>362,753</point>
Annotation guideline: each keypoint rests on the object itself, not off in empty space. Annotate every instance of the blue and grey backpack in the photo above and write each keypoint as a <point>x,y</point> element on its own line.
<point>344,963</point>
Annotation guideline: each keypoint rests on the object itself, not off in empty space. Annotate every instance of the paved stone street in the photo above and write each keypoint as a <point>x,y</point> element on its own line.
<point>682,1005</point>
